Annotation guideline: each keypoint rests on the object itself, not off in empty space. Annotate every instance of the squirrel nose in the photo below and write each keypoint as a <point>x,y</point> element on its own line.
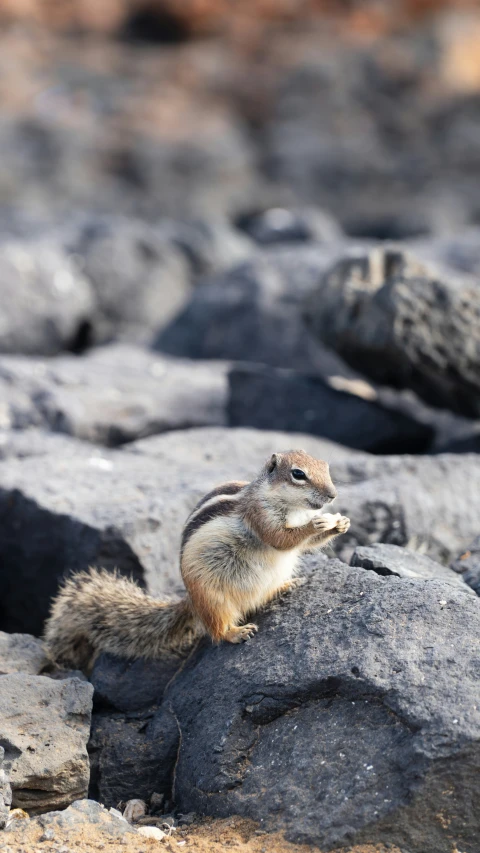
<point>331,494</point>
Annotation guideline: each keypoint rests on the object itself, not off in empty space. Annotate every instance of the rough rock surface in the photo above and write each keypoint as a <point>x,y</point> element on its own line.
<point>393,560</point>
<point>266,398</point>
<point>374,736</point>
<point>85,825</point>
<point>113,394</point>
<point>46,303</point>
<point>132,755</point>
<point>22,653</point>
<point>5,791</point>
<point>139,279</point>
<point>468,565</point>
<point>80,506</point>
<point>132,685</point>
<point>403,325</point>
<point>253,312</point>
<point>44,728</point>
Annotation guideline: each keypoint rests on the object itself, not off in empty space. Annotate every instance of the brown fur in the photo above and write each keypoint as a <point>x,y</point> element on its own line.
<point>238,552</point>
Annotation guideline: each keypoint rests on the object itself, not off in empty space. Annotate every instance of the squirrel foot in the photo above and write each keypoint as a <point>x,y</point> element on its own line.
<point>289,585</point>
<point>240,634</point>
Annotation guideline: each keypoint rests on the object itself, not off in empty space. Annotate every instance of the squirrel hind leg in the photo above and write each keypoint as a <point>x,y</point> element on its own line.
<point>218,615</point>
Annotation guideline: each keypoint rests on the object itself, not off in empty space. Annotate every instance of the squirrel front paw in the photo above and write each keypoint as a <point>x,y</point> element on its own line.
<point>335,523</point>
<point>326,522</point>
<point>342,524</point>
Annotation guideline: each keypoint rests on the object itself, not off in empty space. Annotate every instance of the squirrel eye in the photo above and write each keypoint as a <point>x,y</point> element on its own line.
<point>297,474</point>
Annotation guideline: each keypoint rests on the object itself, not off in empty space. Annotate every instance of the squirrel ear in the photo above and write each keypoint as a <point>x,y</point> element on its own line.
<point>273,462</point>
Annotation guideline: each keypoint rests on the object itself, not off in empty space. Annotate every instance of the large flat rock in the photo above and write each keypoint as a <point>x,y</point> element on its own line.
<point>78,506</point>
<point>44,729</point>
<point>113,394</point>
<point>353,716</point>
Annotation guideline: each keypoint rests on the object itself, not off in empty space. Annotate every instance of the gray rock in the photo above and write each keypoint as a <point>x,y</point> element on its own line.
<point>266,398</point>
<point>353,716</point>
<point>22,653</point>
<point>132,685</point>
<point>140,280</point>
<point>210,245</point>
<point>468,565</point>
<point>405,500</point>
<point>391,560</point>
<point>281,225</point>
<point>403,325</point>
<point>79,506</point>
<point>47,305</point>
<point>113,394</point>
<point>132,755</point>
<point>44,728</point>
<point>20,443</point>
<point>5,792</point>
<point>87,813</point>
<point>254,313</point>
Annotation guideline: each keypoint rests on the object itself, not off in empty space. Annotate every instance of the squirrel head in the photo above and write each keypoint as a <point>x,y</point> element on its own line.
<point>300,481</point>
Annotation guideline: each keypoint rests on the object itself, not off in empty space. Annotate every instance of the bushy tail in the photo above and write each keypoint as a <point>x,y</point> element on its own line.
<point>97,611</point>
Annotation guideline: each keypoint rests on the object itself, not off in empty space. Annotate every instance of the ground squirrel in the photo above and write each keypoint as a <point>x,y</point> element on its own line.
<point>240,547</point>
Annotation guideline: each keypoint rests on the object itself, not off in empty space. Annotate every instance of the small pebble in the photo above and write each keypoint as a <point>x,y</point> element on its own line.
<point>151,832</point>
<point>47,835</point>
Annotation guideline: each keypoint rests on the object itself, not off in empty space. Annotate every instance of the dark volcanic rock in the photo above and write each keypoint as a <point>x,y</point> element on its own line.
<point>353,716</point>
<point>266,398</point>
<point>132,685</point>
<point>254,313</point>
<point>140,280</point>
<point>468,565</point>
<point>113,395</point>
<point>5,792</point>
<point>78,506</point>
<point>132,756</point>
<point>47,305</point>
<point>44,728</point>
<point>392,560</point>
<point>403,325</point>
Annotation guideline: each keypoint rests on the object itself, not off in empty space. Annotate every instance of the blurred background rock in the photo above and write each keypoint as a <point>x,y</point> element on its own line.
<point>370,109</point>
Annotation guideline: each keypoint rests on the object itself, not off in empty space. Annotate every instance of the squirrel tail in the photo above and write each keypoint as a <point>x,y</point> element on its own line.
<point>97,611</point>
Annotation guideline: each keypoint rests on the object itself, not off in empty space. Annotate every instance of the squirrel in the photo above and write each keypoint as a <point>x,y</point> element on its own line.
<point>239,550</point>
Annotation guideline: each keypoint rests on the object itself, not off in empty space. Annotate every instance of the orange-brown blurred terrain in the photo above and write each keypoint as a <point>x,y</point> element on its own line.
<point>204,107</point>
<point>194,17</point>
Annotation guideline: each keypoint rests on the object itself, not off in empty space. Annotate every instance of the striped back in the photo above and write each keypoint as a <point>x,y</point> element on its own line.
<point>220,501</point>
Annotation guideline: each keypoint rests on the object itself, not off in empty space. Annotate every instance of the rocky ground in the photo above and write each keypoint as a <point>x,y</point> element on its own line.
<point>212,249</point>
